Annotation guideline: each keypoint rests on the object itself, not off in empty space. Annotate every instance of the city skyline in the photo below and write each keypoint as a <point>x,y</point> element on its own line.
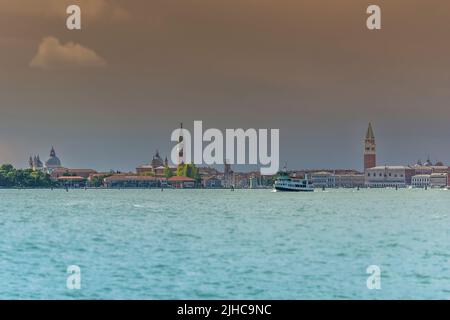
<point>368,152</point>
<point>312,71</point>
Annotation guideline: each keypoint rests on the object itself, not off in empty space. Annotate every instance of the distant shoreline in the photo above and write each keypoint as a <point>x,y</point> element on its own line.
<point>225,189</point>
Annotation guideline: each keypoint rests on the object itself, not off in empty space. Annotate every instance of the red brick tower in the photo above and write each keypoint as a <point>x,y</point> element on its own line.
<point>370,155</point>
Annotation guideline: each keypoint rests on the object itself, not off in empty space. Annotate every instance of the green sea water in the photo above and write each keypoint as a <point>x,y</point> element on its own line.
<point>218,244</point>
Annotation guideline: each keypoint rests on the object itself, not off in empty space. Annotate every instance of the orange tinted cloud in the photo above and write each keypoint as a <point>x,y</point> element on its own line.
<point>54,55</point>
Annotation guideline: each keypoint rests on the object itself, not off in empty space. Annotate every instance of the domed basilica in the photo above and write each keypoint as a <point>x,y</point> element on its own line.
<point>50,165</point>
<point>155,167</point>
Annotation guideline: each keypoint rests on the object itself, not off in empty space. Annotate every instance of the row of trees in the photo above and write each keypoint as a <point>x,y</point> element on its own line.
<point>188,170</point>
<point>11,177</point>
<point>183,170</point>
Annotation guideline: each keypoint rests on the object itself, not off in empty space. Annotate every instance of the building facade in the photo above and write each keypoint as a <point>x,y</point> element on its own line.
<point>61,172</point>
<point>182,182</point>
<point>133,181</point>
<point>439,180</point>
<point>156,167</point>
<point>354,180</point>
<point>420,181</point>
<point>323,179</point>
<point>389,177</point>
<point>72,181</point>
<point>212,182</point>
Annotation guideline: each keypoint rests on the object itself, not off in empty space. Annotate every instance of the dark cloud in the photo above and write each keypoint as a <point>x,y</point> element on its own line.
<point>310,68</point>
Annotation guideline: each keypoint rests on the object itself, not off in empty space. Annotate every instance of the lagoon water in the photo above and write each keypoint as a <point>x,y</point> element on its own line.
<point>218,244</point>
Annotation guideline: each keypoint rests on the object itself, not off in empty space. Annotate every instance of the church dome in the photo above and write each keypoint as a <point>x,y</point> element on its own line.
<point>157,161</point>
<point>53,161</point>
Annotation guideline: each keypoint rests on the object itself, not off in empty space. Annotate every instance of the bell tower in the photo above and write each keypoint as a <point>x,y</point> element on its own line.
<point>370,154</point>
<point>181,158</point>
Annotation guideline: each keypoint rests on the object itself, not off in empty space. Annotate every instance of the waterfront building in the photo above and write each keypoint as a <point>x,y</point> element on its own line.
<point>420,169</point>
<point>439,168</point>
<point>97,179</point>
<point>389,176</point>
<point>180,182</point>
<point>421,181</point>
<point>211,182</point>
<point>323,179</point>
<point>156,167</point>
<point>60,172</point>
<point>159,171</point>
<point>334,178</point>
<point>351,180</point>
<point>240,180</point>
<point>72,181</point>
<point>429,167</point>
<point>134,181</point>
<point>370,158</point>
<point>438,180</point>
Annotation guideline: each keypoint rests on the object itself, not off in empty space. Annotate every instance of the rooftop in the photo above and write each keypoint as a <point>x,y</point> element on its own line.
<point>132,178</point>
<point>181,179</point>
<point>71,178</point>
<point>390,168</point>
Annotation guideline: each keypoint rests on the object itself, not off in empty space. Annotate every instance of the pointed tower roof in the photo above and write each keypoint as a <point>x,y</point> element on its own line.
<point>370,135</point>
<point>428,163</point>
<point>52,152</point>
<point>53,161</point>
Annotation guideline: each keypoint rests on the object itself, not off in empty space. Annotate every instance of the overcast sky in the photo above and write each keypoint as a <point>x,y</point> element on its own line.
<point>109,95</point>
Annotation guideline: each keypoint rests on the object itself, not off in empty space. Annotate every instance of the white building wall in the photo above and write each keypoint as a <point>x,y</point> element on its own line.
<point>323,180</point>
<point>438,180</point>
<point>384,177</point>
<point>420,181</point>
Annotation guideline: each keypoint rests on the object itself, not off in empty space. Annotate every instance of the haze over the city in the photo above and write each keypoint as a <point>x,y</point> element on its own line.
<point>109,95</point>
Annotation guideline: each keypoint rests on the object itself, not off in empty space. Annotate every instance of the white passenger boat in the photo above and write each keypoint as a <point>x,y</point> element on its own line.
<point>286,183</point>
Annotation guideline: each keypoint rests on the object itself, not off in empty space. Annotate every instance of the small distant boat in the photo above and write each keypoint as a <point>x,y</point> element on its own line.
<point>286,183</point>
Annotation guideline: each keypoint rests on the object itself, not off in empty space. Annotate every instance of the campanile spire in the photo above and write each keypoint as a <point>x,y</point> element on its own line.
<point>370,158</point>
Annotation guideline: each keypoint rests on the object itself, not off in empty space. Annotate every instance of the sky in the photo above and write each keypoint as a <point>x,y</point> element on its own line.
<point>109,95</point>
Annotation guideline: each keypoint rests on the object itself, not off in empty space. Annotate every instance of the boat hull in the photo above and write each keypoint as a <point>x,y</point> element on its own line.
<point>284,189</point>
